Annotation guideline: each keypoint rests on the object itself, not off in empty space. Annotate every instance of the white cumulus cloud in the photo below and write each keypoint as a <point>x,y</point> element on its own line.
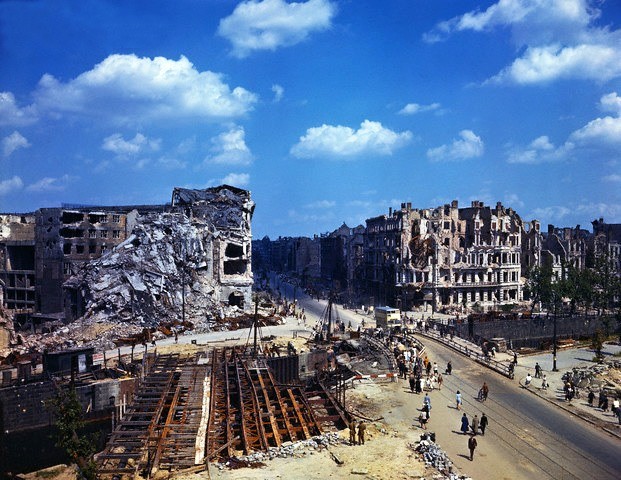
<point>468,145</point>
<point>116,144</point>
<point>13,142</point>
<point>11,185</point>
<point>559,37</point>
<point>553,62</point>
<point>270,24</point>
<point>344,142</point>
<point>130,89</point>
<point>51,184</point>
<point>604,129</point>
<point>279,92</point>
<point>540,150</point>
<point>237,179</point>
<point>321,204</point>
<point>11,114</point>
<point>229,148</point>
<point>413,108</point>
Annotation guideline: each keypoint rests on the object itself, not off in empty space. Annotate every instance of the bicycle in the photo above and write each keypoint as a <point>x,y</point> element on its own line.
<point>482,396</point>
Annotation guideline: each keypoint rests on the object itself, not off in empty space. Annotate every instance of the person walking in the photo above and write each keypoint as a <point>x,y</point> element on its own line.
<point>412,380</point>
<point>475,425</point>
<point>427,400</point>
<point>544,382</point>
<point>458,400</point>
<point>472,445</point>
<point>361,428</point>
<point>423,418</point>
<point>528,380</point>
<point>440,380</point>
<point>483,424</point>
<point>465,424</point>
<point>352,432</point>
<point>537,370</point>
<point>590,397</point>
<point>449,368</point>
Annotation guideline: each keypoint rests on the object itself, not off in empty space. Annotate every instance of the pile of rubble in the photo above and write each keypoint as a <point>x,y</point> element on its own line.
<point>151,277</point>
<point>435,457</point>
<point>287,450</point>
<point>605,377</point>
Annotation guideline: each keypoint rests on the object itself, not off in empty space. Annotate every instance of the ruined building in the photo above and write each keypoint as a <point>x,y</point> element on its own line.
<point>606,243</point>
<point>444,257</point>
<point>130,262</point>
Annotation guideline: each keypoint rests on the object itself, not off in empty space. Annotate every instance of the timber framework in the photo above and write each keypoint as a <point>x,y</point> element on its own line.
<point>215,405</point>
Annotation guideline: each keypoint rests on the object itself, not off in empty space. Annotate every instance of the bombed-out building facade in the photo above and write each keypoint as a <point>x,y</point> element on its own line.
<point>446,258</point>
<point>47,256</point>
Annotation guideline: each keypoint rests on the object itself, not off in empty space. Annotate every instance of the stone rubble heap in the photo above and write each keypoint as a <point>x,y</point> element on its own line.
<point>435,457</point>
<point>290,449</point>
<point>597,377</point>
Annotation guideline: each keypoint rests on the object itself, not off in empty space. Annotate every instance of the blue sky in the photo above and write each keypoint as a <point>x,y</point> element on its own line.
<point>327,111</point>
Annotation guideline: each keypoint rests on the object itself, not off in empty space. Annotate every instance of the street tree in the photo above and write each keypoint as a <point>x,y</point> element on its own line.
<point>69,421</point>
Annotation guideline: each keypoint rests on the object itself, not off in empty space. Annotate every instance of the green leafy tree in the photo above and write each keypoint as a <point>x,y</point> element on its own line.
<point>539,285</point>
<point>597,343</point>
<point>69,420</point>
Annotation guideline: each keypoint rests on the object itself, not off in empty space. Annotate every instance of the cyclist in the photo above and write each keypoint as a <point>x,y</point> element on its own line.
<point>484,392</point>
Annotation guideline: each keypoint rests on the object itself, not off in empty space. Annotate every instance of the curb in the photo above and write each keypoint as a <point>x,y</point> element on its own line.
<point>563,407</point>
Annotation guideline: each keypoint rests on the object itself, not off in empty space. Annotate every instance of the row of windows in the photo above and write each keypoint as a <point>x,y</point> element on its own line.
<point>92,233</point>
<point>69,248</point>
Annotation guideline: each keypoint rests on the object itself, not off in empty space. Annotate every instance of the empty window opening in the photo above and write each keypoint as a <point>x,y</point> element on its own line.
<point>79,249</point>
<point>20,257</point>
<point>116,234</point>
<point>116,218</point>
<point>67,249</point>
<point>72,217</point>
<point>96,217</point>
<point>68,232</point>
<point>236,299</point>
<point>92,249</point>
<point>234,267</point>
<point>234,251</point>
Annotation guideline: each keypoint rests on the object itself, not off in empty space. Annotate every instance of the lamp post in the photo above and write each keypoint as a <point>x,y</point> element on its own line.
<point>554,369</point>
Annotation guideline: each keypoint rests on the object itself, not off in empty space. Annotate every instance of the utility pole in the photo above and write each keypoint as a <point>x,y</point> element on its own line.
<point>256,321</point>
<point>183,266</point>
<point>554,369</point>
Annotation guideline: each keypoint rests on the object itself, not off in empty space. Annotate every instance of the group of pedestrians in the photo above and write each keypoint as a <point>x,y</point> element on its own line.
<point>359,427</point>
<point>471,427</point>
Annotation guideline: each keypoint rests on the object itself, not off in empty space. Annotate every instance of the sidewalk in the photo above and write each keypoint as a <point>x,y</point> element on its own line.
<point>566,360</point>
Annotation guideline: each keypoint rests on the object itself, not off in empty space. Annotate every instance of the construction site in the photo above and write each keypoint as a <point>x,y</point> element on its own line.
<point>239,405</point>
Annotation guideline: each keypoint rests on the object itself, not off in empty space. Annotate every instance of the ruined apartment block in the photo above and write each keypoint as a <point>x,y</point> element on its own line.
<point>46,257</point>
<point>17,266</point>
<point>67,238</point>
<point>444,257</point>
